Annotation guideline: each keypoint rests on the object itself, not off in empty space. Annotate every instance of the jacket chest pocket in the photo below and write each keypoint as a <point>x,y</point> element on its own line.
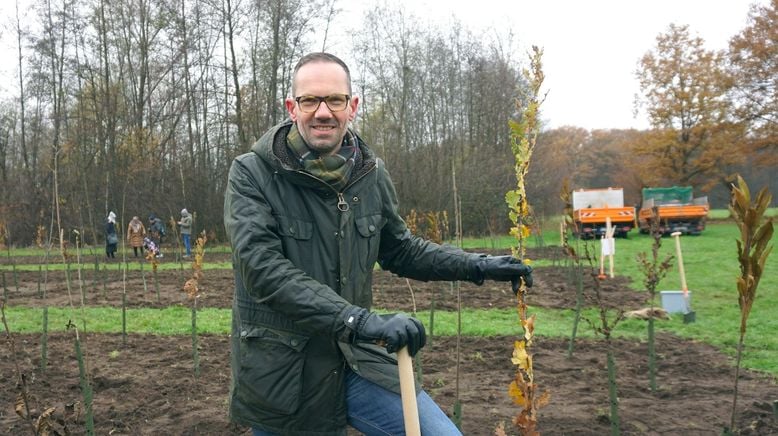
<point>271,368</point>
<point>296,233</point>
<point>368,240</point>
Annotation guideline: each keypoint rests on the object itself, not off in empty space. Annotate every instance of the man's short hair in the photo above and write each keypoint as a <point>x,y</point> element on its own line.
<point>321,57</point>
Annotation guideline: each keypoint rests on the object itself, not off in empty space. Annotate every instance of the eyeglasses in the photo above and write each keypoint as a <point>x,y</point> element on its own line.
<point>311,103</point>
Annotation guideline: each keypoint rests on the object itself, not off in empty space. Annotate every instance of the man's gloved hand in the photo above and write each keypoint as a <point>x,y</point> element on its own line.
<point>502,268</point>
<point>393,331</point>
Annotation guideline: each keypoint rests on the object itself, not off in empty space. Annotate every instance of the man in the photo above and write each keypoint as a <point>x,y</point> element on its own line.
<point>308,213</point>
<point>185,226</point>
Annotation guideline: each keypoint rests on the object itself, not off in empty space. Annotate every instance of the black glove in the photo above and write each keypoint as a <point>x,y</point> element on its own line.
<point>393,331</point>
<point>503,269</point>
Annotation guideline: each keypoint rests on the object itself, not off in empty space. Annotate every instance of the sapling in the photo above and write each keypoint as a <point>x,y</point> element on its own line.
<point>143,278</point>
<point>83,369</point>
<point>752,252</point>
<point>430,226</point>
<point>40,274</point>
<point>4,243</point>
<point>456,289</point>
<point>523,389</point>
<point>104,277</point>
<point>192,289</point>
<point>653,271</point>
<point>23,402</point>
<point>576,271</point>
<point>86,387</point>
<point>607,323</point>
<point>39,238</point>
<point>95,275</point>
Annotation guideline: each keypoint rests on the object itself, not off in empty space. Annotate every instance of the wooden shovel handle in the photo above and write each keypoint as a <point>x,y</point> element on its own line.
<point>408,392</point>
<point>677,236</point>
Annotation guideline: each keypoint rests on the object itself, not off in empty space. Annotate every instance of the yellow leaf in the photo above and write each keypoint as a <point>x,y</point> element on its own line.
<point>520,356</point>
<point>516,394</point>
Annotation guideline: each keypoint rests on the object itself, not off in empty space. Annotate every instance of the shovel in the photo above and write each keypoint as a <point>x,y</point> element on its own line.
<point>408,393</point>
<point>688,316</point>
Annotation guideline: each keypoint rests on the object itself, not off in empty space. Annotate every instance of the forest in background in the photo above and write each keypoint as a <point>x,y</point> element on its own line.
<point>139,106</point>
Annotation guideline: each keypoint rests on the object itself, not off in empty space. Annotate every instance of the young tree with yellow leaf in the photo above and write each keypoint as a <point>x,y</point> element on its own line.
<point>752,252</point>
<point>524,132</point>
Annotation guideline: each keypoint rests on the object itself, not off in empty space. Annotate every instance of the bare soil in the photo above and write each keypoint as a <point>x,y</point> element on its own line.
<point>147,387</point>
<point>104,285</point>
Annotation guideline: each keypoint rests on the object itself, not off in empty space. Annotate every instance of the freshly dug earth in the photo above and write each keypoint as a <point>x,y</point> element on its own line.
<point>147,387</point>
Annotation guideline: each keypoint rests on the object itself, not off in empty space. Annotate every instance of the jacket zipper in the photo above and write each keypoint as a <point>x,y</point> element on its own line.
<point>342,204</point>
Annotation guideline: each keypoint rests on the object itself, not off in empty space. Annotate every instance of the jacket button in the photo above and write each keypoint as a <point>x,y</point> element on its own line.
<point>291,230</point>
<point>243,333</point>
<point>294,342</point>
<point>355,199</point>
<point>371,228</point>
<point>343,280</point>
<point>355,367</point>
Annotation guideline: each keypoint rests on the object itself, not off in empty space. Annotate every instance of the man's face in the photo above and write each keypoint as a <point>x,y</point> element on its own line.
<point>323,129</point>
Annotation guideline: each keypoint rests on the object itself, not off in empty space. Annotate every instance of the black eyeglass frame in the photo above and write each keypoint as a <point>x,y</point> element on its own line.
<point>322,99</point>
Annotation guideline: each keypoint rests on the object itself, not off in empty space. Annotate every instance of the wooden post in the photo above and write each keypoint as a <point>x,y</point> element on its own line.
<point>610,230</point>
<point>602,275</point>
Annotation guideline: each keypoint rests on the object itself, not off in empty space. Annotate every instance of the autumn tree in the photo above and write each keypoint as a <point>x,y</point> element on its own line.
<point>694,139</point>
<point>558,151</point>
<point>753,57</point>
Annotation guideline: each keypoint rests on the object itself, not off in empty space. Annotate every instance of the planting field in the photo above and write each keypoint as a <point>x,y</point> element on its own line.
<point>147,386</point>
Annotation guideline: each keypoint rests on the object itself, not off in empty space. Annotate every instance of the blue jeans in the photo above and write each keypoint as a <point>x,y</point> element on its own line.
<point>187,243</point>
<point>376,411</point>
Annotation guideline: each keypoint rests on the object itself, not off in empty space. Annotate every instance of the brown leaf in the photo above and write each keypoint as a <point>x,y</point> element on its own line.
<point>543,400</point>
<point>43,423</point>
<point>20,406</point>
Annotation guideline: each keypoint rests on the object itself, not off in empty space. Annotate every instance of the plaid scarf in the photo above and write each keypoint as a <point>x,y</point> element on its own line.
<point>334,169</point>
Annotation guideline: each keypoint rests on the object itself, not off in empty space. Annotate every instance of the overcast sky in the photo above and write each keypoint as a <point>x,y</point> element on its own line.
<point>591,47</point>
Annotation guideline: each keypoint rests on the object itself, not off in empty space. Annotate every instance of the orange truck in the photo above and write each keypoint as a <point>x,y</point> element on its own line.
<point>593,207</point>
<point>678,210</point>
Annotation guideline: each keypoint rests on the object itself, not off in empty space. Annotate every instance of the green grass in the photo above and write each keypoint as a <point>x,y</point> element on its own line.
<point>709,260</point>
<point>174,320</point>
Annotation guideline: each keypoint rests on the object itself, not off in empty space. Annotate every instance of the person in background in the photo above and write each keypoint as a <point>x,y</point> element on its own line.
<point>308,212</point>
<point>157,232</point>
<point>185,225</point>
<point>111,239</point>
<point>135,233</point>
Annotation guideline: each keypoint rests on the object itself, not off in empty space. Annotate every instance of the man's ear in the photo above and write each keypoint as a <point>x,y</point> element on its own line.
<point>290,104</point>
<point>354,104</point>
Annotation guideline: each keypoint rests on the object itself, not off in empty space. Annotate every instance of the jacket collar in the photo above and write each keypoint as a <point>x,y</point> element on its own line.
<point>272,149</point>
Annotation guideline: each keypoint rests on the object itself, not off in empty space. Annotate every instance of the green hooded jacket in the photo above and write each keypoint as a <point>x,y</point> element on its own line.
<point>303,255</point>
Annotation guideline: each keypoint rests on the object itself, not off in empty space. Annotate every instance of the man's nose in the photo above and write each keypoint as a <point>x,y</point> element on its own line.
<point>323,111</point>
